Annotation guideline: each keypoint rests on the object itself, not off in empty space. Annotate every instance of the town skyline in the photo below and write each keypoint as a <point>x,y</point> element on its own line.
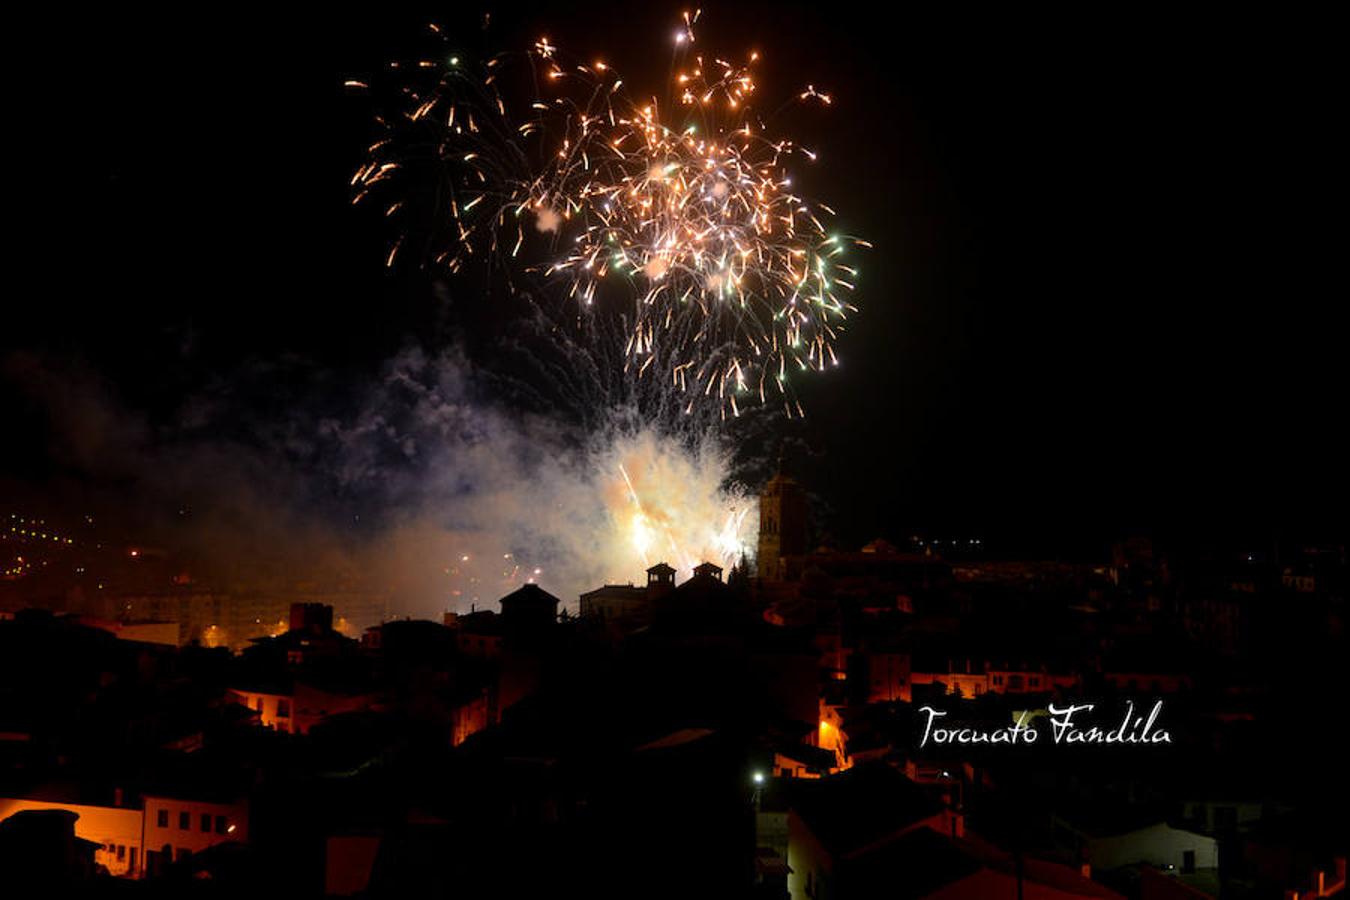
<point>773,451</point>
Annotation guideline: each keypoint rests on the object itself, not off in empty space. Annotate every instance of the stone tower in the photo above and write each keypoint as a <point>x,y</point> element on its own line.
<point>782,524</point>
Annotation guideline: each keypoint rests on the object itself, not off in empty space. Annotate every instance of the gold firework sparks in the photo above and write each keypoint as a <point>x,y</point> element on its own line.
<point>679,218</point>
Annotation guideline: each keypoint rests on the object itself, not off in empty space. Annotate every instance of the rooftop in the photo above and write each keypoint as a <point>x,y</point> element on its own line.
<point>860,806</point>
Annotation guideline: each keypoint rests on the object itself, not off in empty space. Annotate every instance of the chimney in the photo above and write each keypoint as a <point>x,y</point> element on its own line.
<point>315,618</point>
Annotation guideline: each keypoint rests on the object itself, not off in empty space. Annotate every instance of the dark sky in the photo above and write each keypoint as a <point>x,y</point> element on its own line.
<point>1099,299</point>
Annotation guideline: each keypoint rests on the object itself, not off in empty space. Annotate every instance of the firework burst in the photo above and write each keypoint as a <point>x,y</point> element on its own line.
<point>673,227</point>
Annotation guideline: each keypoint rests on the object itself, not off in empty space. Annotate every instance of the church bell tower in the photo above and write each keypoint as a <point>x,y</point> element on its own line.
<point>782,525</point>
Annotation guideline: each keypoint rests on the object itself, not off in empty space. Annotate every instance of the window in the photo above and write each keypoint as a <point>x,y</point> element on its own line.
<point>220,825</point>
<point>185,821</point>
<point>121,852</point>
<point>162,818</point>
<point>283,709</point>
<point>133,859</point>
<point>206,823</point>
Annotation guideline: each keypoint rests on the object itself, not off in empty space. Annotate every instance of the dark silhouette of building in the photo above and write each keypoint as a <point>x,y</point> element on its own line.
<point>660,580</point>
<point>311,617</point>
<point>708,570</point>
<point>528,609</point>
<point>40,847</point>
<point>620,609</point>
<point>782,524</point>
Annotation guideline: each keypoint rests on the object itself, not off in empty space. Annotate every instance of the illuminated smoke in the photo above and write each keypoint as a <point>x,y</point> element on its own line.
<point>546,220</point>
<point>479,499</point>
<point>386,495</point>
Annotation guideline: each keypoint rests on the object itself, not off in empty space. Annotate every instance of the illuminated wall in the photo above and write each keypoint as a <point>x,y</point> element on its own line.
<point>192,825</point>
<point>116,830</point>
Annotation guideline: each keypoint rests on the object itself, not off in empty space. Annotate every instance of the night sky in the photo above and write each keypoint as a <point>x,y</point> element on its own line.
<point>1098,300</point>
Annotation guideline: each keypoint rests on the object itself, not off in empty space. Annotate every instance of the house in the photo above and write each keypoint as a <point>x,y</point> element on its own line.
<point>294,707</point>
<point>836,819</point>
<point>964,677</point>
<point>311,639</point>
<point>887,674</point>
<point>1299,853</point>
<point>478,634</point>
<point>189,809</point>
<point>529,610</point>
<point>802,761</point>
<point>189,822</point>
<point>349,860</point>
<point>932,866</point>
<point>620,609</point>
<point>1107,845</point>
<point>970,678</point>
<point>1022,678</point>
<point>871,832</point>
<point>1152,665</point>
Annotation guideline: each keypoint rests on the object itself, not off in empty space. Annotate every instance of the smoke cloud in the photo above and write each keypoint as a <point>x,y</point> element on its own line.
<point>418,486</point>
